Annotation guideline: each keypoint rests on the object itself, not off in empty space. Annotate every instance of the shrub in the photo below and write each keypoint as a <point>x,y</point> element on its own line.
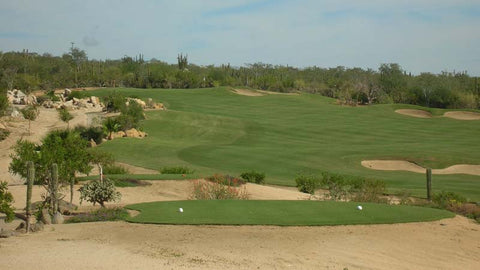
<point>206,190</point>
<point>307,183</point>
<point>446,199</point>
<point>99,192</point>
<point>103,214</point>
<point>91,133</point>
<point>3,103</point>
<point>77,94</point>
<point>4,134</point>
<point>129,182</point>
<point>226,180</point>
<point>6,200</point>
<point>114,169</point>
<point>253,177</point>
<point>176,170</point>
<point>469,210</point>
<point>370,191</point>
<point>355,188</point>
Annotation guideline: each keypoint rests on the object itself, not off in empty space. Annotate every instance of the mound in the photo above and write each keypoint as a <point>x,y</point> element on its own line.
<point>402,165</point>
<point>414,113</point>
<point>246,92</point>
<point>463,115</point>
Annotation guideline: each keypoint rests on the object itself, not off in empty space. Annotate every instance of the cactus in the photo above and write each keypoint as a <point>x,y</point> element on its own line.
<point>54,189</point>
<point>429,184</point>
<point>30,180</point>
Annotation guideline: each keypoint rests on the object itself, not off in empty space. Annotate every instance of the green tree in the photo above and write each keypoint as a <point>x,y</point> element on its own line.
<point>110,124</point>
<point>6,200</point>
<point>3,103</point>
<point>30,113</point>
<point>65,116</point>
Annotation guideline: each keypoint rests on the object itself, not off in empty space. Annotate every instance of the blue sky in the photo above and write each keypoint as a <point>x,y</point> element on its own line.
<point>421,35</point>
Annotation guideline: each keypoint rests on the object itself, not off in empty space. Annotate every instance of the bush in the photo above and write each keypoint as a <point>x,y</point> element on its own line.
<point>6,200</point>
<point>446,199</point>
<point>77,95</point>
<point>253,177</point>
<point>3,103</point>
<point>469,210</point>
<point>355,188</point>
<point>103,214</point>
<point>114,169</point>
<point>129,182</point>
<point>370,191</point>
<point>226,180</point>
<point>91,133</point>
<point>4,134</point>
<point>307,183</point>
<point>176,170</point>
<point>206,190</point>
<point>99,192</point>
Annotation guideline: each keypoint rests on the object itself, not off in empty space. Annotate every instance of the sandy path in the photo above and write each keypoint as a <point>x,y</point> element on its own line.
<point>459,115</point>
<point>247,92</point>
<point>403,165</point>
<point>414,113</point>
<point>446,244</point>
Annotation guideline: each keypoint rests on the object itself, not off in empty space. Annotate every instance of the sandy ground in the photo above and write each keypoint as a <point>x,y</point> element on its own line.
<point>403,165</point>
<point>47,120</point>
<point>247,92</point>
<point>414,113</point>
<point>447,244</point>
<point>463,115</point>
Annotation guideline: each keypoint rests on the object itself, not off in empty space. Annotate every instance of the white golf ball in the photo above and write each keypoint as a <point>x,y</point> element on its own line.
<point>180,210</point>
<point>359,207</point>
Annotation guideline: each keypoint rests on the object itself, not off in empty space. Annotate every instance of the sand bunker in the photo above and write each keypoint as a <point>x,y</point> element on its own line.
<point>463,115</point>
<point>414,113</point>
<point>247,92</point>
<point>403,165</point>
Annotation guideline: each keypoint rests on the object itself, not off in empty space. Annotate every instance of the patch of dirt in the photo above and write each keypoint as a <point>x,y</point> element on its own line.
<point>445,244</point>
<point>414,113</point>
<point>247,92</point>
<point>135,169</point>
<point>277,93</point>
<point>459,115</point>
<point>403,165</point>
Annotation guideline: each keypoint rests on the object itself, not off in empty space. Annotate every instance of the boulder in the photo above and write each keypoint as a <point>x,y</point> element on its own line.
<point>139,101</point>
<point>6,233</point>
<point>65,207</point>
<point>46,218</point>
<point>119,134</point>
<point>95,100</point>
<point>2,126</point>
<point>37,227</point>
<point>30,100</point>
<point>92,143</point>
<point>133,133</point>
<point>22,227</point>
<point>16,114</point>
<point>58,218</point>
<point>67,92</point>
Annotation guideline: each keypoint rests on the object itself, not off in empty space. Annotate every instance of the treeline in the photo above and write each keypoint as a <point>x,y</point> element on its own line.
<point>389,84</point>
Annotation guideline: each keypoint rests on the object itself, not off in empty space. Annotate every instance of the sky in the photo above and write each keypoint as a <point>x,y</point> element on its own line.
<point>421,35</point>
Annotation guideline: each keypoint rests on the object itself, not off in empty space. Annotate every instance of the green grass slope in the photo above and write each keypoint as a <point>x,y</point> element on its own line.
<point>215,130</point>
<point>282,213</point>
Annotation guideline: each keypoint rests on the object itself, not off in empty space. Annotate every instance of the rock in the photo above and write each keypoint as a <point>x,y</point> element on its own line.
<point>46,218</point>
<point>37,227</point>
<point>16,114</point>
<point>95,100</point>
<point>21,227</point>
<point>67,92</point>
<point>65,207</point>
<point>119,134</point>
<point>6,233</point>
<point>133,133</point>
<point>48,104</point>
<point>58,218</point>
<point>92,143</point>
<point>139,101</point>
<point>30,100</point>
<point>2,126</point>
<point>68,105</point>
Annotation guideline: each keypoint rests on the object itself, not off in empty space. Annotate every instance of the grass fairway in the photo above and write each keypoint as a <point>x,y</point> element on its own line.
<point>217,131</point>
<point>281,213</point>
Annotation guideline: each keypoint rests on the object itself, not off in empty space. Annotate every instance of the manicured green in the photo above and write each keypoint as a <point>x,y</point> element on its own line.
<point>217,131</point>
<point>282,213</point>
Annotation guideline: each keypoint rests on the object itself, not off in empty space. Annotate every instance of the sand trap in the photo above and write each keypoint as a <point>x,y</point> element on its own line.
<point>463,115</point>
<point>247,92</point>
<point>403,165</point>
<point>277,93</point>
<point>414,113</point>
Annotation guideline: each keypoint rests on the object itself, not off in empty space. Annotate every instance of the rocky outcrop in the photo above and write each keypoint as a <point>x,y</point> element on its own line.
<point>17,97</point>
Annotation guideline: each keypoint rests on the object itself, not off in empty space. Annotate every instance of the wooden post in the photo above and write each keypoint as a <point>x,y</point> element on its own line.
<point>429,184</point>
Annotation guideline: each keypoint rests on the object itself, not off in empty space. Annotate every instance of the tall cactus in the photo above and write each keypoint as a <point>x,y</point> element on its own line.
<point>30,180</point>
<point>429,184</point>
<point>54,189</point>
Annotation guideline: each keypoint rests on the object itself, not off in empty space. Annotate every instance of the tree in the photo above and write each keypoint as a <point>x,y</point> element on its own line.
<point>99,192</point>
<point>30,113</point>
<point>6,200</point>
<point>65,116</point>
<point>111,125</point>
<point>3,103</point>
<point>182,61</point>
<point>63,147</point>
